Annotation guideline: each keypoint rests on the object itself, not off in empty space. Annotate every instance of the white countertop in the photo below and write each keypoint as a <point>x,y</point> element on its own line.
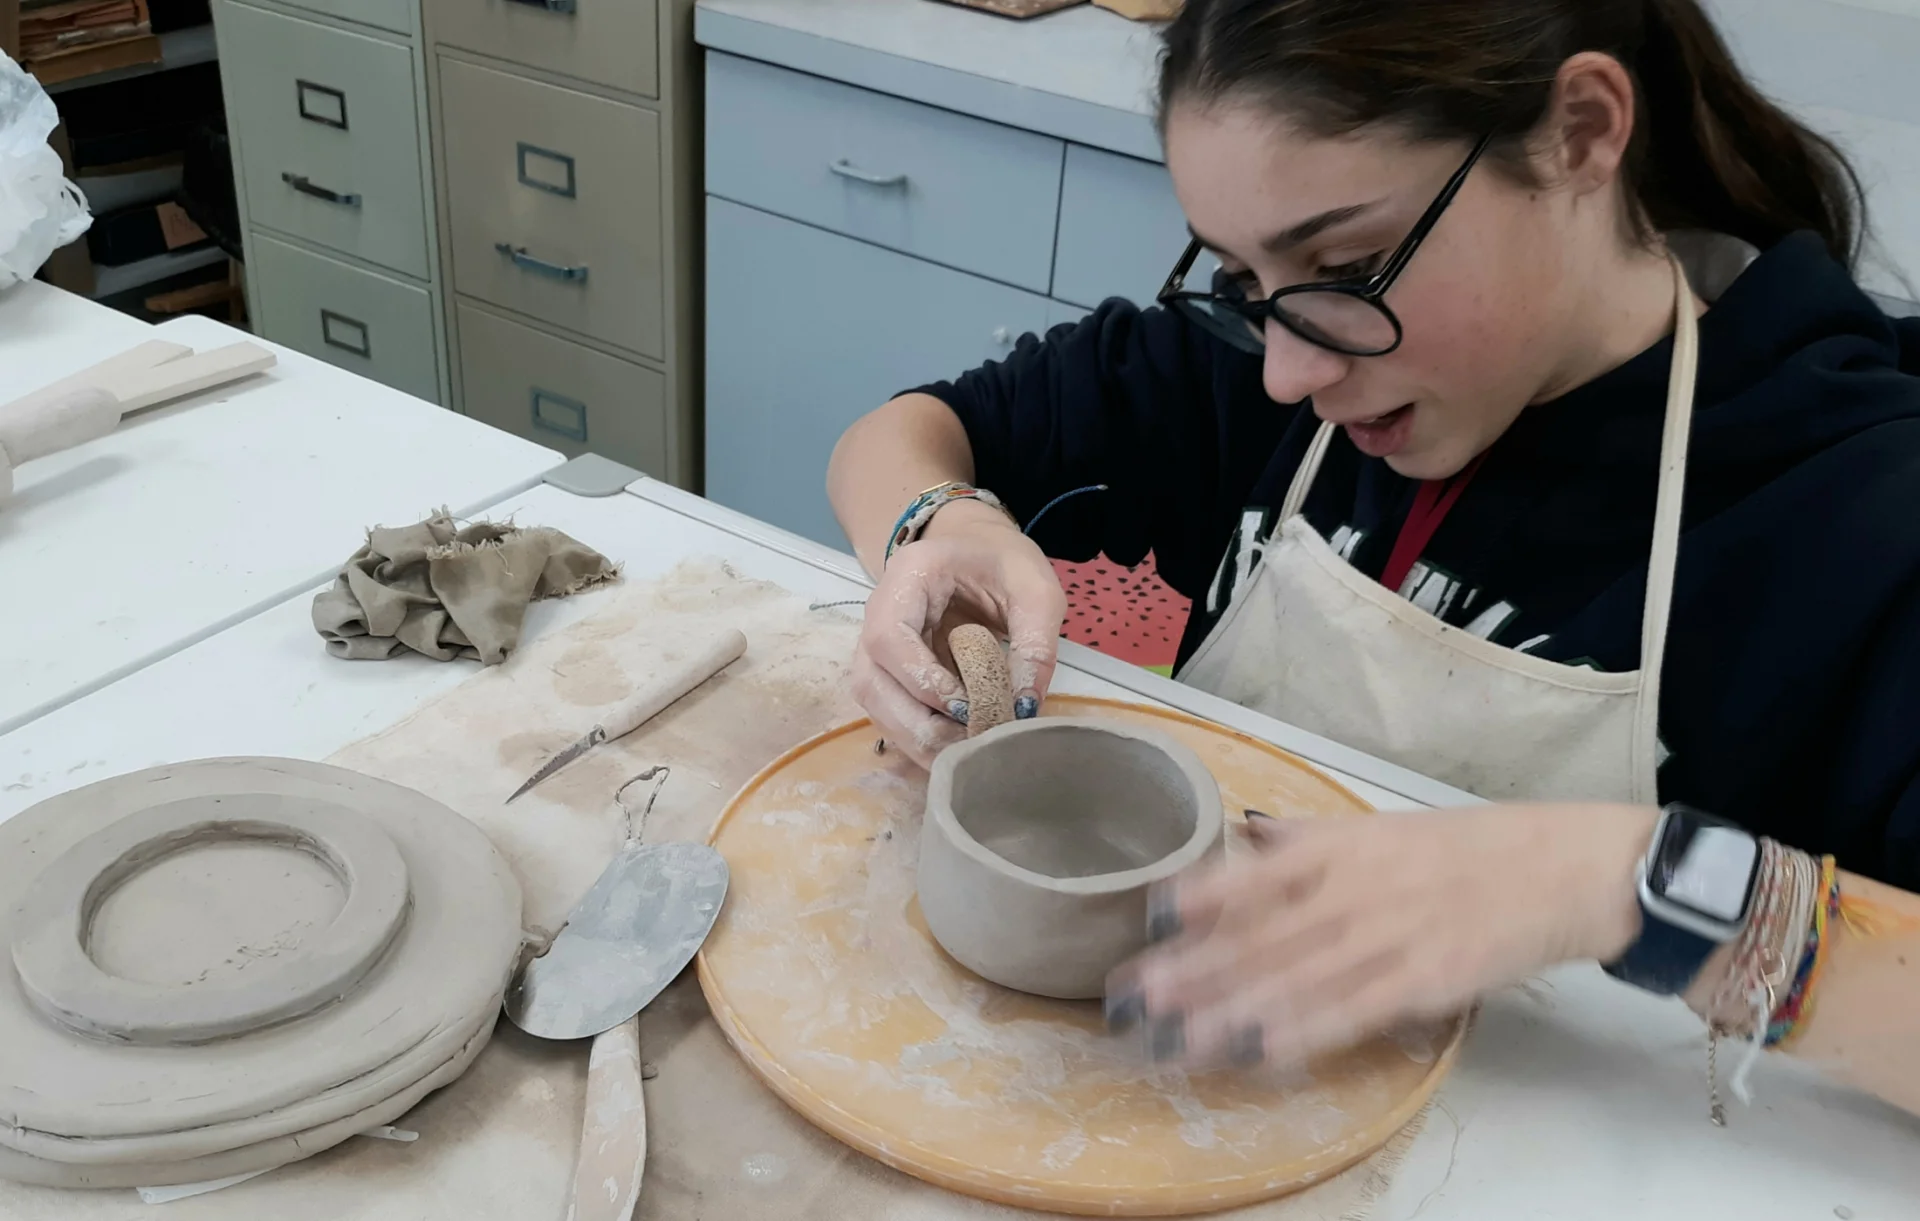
<point>47,333</point>
<point>1081,74</point>
<point>192,517</point>
<point>1577,1099</point>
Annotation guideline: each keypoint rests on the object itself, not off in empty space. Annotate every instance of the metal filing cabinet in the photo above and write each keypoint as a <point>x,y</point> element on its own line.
<point>492,204</point>
<point>327,110</point>
<point>566,144</point>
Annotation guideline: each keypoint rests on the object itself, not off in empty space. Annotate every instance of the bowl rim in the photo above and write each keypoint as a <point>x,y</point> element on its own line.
<point>1201,783</point>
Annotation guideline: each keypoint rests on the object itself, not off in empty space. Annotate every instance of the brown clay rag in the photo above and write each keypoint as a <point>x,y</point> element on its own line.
<point>450,591</point>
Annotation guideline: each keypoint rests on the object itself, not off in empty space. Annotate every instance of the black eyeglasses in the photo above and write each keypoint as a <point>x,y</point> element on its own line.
<point>1346,316</point>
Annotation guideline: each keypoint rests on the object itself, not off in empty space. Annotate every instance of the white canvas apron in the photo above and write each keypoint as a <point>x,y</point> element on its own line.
<point>1311,641</point>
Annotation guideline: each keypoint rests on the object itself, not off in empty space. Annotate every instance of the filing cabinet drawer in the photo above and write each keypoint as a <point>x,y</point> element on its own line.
<point>950,189</point>
<point>560,394</point>
<point>362,322</point>
<point>327,126</point>
<point>400,16</point>
<point>554,201</point>
<point>608,42</point>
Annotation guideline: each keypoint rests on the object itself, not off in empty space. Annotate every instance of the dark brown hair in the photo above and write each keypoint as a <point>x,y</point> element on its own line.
<point>1708,152</point>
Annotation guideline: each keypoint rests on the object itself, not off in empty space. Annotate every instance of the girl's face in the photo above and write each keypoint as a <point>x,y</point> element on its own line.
<point>1486,304</point>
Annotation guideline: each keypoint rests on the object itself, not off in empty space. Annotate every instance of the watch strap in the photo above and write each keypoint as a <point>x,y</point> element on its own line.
<point>1664,959</point>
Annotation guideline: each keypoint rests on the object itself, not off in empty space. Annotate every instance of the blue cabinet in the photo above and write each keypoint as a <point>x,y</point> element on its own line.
<point>807,331</point>
<point>861,244</point>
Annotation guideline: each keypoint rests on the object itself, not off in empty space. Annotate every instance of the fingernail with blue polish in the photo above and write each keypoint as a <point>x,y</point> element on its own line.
<point>1168,1038</point>
<point>1026,708</point>
<point>1125,1011</point>
<point>957,709</point>
<point>1163,916</point>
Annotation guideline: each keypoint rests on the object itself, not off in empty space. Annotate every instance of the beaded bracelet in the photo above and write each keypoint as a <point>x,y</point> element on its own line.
<point>920,512</point>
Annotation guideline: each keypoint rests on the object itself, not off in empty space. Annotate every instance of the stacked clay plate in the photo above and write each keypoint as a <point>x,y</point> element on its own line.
<point>219,967</point>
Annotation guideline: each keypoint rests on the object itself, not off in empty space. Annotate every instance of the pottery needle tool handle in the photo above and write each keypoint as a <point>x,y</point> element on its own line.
<point>648,701</point>
<point>613,1137</point>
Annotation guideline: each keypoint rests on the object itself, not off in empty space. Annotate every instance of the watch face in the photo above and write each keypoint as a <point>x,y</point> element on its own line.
<point>1706,867</point>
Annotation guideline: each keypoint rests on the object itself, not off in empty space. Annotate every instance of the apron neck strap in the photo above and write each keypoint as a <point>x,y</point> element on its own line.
<point>1309,468</point>
<point>1666,519</point>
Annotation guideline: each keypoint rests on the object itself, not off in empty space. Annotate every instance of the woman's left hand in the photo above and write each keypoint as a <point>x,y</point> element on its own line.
<point>1339,929</point>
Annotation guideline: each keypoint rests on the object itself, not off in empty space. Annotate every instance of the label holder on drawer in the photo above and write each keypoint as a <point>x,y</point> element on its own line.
<point>321,104</point>
<point>335,329</point>
<point>532,155</point>
<point>569,422</point>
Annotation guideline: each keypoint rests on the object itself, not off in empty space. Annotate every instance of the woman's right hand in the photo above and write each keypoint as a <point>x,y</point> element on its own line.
<point>972,565</point>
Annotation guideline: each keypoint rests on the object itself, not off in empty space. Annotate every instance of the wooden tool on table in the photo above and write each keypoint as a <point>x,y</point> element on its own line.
<point>91,403</point>
<point>634,932</point>
<point>647,702</point>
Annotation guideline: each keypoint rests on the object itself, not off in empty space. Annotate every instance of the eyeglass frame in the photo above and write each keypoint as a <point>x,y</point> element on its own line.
<point>1370,289</point>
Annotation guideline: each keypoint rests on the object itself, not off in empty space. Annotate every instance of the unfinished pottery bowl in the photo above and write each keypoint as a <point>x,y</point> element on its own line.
<point>1042,838</point>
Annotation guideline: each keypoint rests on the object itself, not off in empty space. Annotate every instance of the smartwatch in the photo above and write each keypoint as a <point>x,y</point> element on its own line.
<point>1696,893</point>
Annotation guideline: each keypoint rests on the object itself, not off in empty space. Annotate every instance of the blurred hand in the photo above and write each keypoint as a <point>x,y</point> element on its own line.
<point>1339,929</point>
<point>971,566</point>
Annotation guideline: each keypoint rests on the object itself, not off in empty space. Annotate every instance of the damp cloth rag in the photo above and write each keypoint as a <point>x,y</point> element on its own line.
<point>446,590</point>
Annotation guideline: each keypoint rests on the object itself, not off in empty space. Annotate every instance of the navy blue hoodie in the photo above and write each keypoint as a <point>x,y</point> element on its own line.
<point>1791,691</point>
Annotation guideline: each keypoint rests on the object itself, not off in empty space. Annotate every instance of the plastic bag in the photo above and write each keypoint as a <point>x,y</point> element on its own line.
<point>40,211</point>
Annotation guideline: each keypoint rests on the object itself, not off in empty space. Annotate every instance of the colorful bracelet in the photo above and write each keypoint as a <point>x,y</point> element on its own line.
<point>1790,1018</point>
<point>920,512</point>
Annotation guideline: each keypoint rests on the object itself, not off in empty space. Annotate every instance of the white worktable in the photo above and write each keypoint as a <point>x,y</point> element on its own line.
<point>194,516</point>
<point>1577,1100</point>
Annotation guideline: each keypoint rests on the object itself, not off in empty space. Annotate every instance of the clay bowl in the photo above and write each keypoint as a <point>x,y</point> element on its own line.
<point>1041,841</point>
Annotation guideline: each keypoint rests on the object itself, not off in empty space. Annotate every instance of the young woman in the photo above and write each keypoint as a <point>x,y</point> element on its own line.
<point>1534,435</point>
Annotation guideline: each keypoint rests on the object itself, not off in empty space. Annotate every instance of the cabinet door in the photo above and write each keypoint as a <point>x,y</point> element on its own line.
<point>807,331</point>
<point>1121,230</point>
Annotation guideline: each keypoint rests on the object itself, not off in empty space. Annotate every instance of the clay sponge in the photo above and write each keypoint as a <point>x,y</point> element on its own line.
<point>223,966</point>
<point>1042,838</point>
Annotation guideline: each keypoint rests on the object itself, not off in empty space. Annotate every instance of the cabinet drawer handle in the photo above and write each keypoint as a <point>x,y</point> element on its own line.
<point>552,6</point>
<point>306,186</point>
<point>559,271</point>
<point>560,415</point>
<point>847,169</point>
<point>347,334</point>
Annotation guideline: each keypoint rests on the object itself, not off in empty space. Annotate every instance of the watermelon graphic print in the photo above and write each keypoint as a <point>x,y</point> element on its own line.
<point>1129,613</point>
